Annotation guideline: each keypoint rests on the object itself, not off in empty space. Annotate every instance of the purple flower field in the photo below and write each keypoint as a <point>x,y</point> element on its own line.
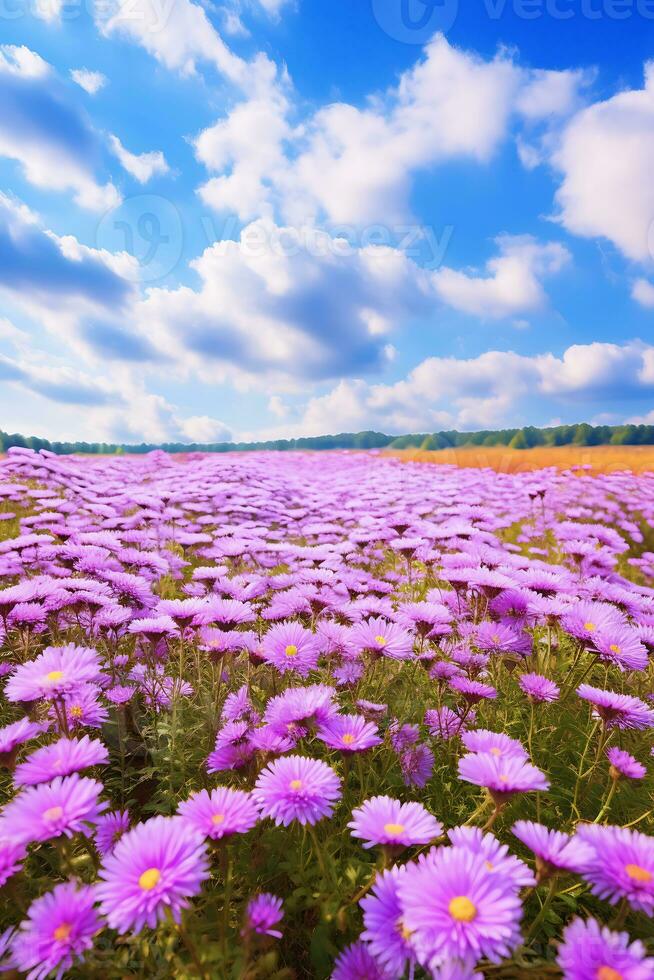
<point>278,715</point>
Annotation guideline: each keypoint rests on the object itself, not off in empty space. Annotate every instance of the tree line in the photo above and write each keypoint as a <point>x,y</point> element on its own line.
<point>581,434</point>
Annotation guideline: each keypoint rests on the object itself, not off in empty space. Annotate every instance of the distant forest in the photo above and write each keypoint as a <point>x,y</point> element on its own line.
<point>527,437</point>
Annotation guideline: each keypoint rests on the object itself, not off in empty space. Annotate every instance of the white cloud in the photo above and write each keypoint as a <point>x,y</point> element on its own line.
<point>606,156</point>
<point>142,166</point>
<point>247,148</point>
<point>179,34</point>
<point>22,62</point>
<point>548,94</point>
<point>115,407</point>
<point>286,302</point>
<point>487,391</point>
<point>45,134</point>
<point>203,429</point>
<point>273,6</point>
<point>90,81</point>
<point>643,292</point>
<point>512,284</point>
<point>356,165</point>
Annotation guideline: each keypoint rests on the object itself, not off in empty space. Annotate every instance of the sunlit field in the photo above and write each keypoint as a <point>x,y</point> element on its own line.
<point>598,459</point>
<point>346,715</point>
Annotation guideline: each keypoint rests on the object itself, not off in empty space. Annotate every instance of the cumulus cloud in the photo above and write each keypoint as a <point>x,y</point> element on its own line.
<point>247,149</point>
<point>39,267</point>
<point>115,408</point>
<point>180,35</point>
<point>90,81</point>
<point>40,129</point>
<point>606,157</point>
<point>493,389</point>
<point>356,165</point>
<point>643,292</point>
<point>142,166</point>
<point>286,302</point>
<point>512,283</point>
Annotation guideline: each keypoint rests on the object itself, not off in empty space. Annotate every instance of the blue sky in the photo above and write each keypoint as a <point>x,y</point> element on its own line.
<point>263,218</point>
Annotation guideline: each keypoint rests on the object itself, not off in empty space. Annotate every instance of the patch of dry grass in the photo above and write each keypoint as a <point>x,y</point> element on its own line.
<point>601,459</point>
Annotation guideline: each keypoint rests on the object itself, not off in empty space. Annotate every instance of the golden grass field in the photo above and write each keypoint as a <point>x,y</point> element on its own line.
<point>601,459</point>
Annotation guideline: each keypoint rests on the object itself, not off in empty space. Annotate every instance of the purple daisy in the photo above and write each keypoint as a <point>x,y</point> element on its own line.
<point>60,759</point>
<point>221,813</point>
<point>382,638</point>
<point>472,691</point>
<point>624,764</point>
<point>58,931</point>
<point>384,931</point>
<point>502,776</point>
<point>288,646</point>
<point>554,850</point>
<point>621,646</point>
<point>585,619</point>
<point>349,733</point>
<point>356,963</point>
<point>83,708</point>
<point>297,788</point>
<point>618,710</point>
<point>539,688</point>
<point>109,828</point>
<point>456,907</point>
<point>383,820</point>
<point>12,853</point>
<point>496,743</point>
<point>67,806</point>
<point>444,723</point>
<point>417,765</point>
<point>496,856</point>
<point>590,951</point>
<point>263,912</point>
<point>622,865</point>
<point>56,671</point>
<point>15,734</point>
<point>155,867</point>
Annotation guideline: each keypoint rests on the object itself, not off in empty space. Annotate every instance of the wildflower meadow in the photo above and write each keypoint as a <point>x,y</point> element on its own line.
<point>310,715</point>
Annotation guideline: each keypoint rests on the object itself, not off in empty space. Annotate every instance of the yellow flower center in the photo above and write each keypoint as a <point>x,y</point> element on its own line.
<point>75,711</point>
<point>393,829</point>
<point>614,648</point>
<point>291,650</point>
<point>590,627</point>
<point>218,818</point>
<point>608,973</point>
<point>462,909</point>
<point>348,739</point>
<point>490,866</point>
<point>54,813</point>
<point>495,638</point>
<point>62,932</point>
<point>503,778</point>
<point>296,784</point>
<point>149,879</point>
<point>636,873</point>
<point>403,930</point>
<point>54,675</point>
<point>380,641</point>
<point>495,751</point>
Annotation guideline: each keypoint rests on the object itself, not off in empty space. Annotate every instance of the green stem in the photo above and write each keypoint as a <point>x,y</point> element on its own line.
<point>551,892</point>
<point>607,802</point>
